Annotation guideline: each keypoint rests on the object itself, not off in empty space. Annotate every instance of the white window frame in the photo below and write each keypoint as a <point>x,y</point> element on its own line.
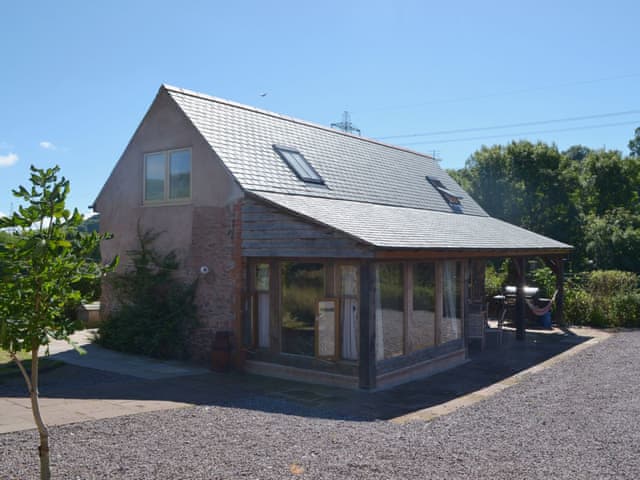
<point>167,177</point>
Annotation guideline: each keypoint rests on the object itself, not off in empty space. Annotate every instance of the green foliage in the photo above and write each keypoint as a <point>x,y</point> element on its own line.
<point>603,298</point>
<point>607,181</point>
<point>495,278</point>
<point>545,280</point>
<point>634,144</point>
<point>612,240</point>
<point>155,311</point>
<point>587,198</point>
<point>523,183</point>
<point>91,224</point>
<point>605,283</point>
<point>42,265</point>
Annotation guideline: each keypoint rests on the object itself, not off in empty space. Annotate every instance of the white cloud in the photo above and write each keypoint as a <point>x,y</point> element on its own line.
<point>8,160</point>
<point>2,214</point>
<point>48,145</point>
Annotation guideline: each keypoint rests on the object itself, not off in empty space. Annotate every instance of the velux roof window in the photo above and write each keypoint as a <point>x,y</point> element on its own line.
<point>299,164</point>
<point>451,198</point>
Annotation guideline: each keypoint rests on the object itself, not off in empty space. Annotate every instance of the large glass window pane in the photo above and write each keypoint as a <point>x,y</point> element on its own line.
<point>302,286</point>
<point>422,325</point>
<point>451,328</point>
<point>349,317</point>
<point>180,174</point>
<point>389,310</point>
<point>154,170</point>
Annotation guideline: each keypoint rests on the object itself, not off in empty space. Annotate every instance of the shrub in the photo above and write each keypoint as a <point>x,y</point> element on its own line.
<point>577,305</point>
<point>605,283</point>
<point>545,280</point>
<point>604,298</point>
<point>495,278</point>
<point>625,309</point>
<point>155,311</point>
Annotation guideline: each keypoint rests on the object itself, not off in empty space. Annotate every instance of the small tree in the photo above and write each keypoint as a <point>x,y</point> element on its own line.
<point>39,272</point>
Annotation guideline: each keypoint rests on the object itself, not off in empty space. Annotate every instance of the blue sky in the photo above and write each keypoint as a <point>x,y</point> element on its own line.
<point>77,77</point>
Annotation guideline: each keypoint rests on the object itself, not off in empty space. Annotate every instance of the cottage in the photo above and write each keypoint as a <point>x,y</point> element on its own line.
<point>333,258</point>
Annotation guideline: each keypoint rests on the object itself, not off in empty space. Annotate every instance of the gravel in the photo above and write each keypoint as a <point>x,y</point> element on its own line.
<point>577,419</point>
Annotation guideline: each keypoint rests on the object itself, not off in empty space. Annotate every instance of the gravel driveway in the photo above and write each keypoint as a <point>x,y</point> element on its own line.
<point>576,419</point>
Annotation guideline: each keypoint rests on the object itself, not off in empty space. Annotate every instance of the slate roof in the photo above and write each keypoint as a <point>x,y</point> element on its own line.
<point>353,168</point>
<point>372,191</point>
<point>387,226</point>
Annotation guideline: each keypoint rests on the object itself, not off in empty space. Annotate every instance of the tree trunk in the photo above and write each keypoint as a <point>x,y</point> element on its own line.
<point>43,449</point>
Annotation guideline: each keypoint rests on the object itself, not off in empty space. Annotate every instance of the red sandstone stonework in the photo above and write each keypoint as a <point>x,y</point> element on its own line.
<point>214,246</point>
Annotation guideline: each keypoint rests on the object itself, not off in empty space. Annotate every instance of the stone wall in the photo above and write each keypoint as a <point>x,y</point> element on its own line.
<point>214,251</point>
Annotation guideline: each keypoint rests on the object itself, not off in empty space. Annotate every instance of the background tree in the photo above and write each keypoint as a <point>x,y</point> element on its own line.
<point>525,184</point>
<point>587,198</point>
<point>42,265</point>
<point>634,144</point>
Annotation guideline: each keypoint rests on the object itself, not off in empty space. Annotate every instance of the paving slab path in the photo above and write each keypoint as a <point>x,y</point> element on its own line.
<point>112,371</point>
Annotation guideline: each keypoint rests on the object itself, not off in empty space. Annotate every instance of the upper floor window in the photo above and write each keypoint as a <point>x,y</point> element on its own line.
<point>167,175</point>
<point>299,164</point>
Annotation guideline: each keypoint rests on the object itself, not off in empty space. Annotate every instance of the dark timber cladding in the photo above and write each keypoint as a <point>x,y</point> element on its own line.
<point>270,232</point>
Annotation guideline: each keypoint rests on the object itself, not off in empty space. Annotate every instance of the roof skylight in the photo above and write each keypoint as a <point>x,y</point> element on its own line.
<point>451,198</point>
<point>298,164</point>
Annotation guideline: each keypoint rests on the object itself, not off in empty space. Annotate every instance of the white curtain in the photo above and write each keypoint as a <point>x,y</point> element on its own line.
<point>349,332</point>
<point>263,319</point>
<point>379,334</point>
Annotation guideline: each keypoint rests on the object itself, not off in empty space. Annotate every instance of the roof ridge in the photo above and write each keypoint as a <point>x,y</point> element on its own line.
<point>231,103</point>
<point>259,192</point>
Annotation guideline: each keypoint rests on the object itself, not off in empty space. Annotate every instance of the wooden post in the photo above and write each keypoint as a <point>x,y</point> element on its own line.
<point>275,286</point>
<point>559,312</point>
<point>367,355</point>
<point>520,313</point>
<point>557,266</point>
<point>439,307</point>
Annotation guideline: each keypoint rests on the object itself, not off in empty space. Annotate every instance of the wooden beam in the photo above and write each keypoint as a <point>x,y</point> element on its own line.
<point>274,307</point>
<point>367,356</point>
<point>520,298</point>
<point>439,307</point>
<point>408,304</point>
<point>559,310</point>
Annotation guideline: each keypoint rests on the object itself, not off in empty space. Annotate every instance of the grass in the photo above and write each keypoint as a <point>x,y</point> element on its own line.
<point>9,369</point>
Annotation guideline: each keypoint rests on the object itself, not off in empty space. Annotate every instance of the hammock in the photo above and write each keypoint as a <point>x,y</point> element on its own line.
<point>539,311</point>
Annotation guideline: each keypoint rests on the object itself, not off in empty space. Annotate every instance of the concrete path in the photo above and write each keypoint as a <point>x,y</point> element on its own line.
<point>112,361</point>
<point>103,384</point>
<point>15,411</point>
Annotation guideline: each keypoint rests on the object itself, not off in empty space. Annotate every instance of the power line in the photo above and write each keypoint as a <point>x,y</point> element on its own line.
<point>510,125</point>
<point>498,94</point>
<point>467,139</point>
